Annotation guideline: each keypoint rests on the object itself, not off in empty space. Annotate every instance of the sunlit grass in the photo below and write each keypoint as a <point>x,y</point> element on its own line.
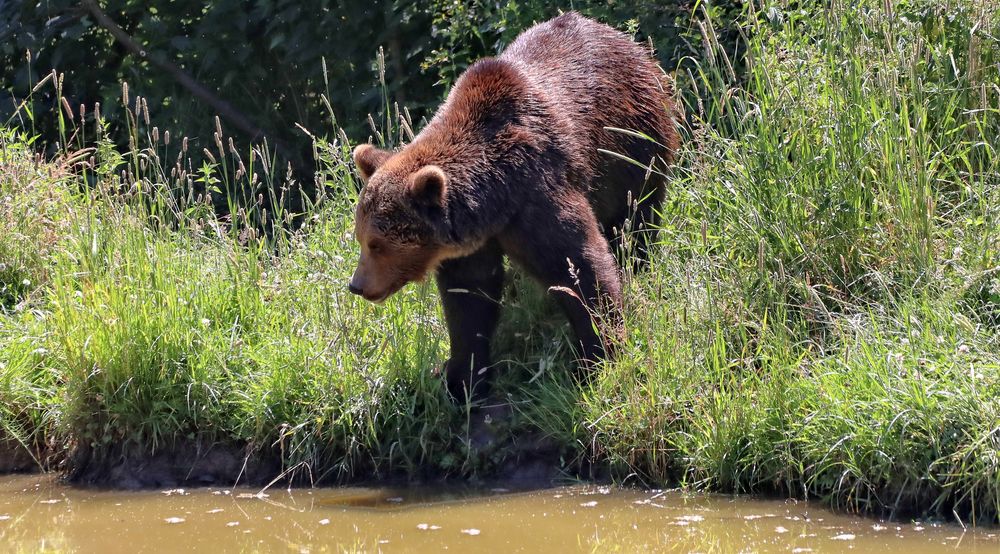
<point>820,319</point>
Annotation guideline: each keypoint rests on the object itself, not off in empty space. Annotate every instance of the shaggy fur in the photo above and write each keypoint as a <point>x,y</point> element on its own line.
<point>512,164</point>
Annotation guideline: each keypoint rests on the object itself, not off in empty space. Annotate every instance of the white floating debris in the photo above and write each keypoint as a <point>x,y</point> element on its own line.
<point>780,529</point>
<point>472,532</point>
<point>798,550</point>
<point>752,517</point>
<point>324,521</point>
<point>844,537</point>
<point>171,492</point>
<point>427,527</point>
<point>590,504</point>
<point>877,527</point>
<point>690,518</point>
<point>918,528</point>
<point>4,517</point>
<point>174,520</point>
<point>50,501</point>
<point>232,524</point>
<point>214,511</point>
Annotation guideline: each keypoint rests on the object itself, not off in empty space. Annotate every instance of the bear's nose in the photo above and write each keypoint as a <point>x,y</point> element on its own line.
<point>355,290</point>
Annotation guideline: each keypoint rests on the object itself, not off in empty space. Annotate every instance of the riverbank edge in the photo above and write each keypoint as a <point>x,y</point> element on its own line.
<point>15,458</point>
<point>528,461</point>
<point>197,464</point>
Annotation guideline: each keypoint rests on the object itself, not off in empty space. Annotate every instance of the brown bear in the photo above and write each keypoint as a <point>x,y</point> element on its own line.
<point>519,161</point>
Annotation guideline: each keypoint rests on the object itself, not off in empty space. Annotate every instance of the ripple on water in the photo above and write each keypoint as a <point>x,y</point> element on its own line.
<point>429,520</point>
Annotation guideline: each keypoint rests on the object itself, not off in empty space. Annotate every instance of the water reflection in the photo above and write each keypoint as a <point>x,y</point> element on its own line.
<point>37,514</point>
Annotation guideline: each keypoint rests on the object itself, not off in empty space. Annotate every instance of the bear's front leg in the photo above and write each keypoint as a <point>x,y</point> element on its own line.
<point>471,288</point>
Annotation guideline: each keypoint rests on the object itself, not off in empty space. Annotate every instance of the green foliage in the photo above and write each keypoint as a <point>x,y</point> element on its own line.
<point>271,59</point>
<point>276,60</point>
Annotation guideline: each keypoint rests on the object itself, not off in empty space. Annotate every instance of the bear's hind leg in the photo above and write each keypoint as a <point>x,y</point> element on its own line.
<point>471,288</point>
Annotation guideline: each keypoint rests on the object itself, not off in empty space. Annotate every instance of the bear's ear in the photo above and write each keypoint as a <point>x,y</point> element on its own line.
<point>428,186</point>
<point>369,159</point>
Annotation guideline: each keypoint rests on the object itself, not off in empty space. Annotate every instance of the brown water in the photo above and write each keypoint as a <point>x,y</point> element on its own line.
<point>38,514</point>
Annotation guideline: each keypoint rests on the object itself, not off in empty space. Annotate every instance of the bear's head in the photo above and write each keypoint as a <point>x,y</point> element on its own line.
<point>397,222</point>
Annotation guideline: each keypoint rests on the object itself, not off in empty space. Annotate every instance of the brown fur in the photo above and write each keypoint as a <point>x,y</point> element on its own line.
<point>511,164</point>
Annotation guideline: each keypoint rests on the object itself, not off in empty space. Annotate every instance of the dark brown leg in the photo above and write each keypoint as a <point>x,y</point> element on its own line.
<point>471,288</point>
<point>565,250</point>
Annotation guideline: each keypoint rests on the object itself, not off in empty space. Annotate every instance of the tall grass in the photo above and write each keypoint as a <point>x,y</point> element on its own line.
<point>820,319</point>
<point>823,321</point>
<point>166,326</point>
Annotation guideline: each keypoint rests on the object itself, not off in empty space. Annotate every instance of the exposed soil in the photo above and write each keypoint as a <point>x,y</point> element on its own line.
<point>527,461</point>
<point>14,458</point>
<point>186,465</point>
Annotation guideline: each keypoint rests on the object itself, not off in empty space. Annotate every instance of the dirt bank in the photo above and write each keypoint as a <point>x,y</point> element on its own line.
<point>14,458</point>
<point>529,460</point>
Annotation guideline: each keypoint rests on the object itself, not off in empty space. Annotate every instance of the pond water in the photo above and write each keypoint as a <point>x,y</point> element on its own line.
<point>39,514</point>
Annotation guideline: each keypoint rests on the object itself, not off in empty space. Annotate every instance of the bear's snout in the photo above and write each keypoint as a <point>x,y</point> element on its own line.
<point>353,289</point>
<point>367,289</point>
<point>358,286</point>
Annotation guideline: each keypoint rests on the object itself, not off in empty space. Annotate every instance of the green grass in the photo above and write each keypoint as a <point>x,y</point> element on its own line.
<point>822,317</point>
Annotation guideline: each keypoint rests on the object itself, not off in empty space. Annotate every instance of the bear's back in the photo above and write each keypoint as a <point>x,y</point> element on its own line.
<point>597,77</point>
<point>543,111</point>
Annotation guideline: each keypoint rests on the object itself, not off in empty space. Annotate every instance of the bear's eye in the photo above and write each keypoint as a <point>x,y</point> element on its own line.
<point>375,247</point>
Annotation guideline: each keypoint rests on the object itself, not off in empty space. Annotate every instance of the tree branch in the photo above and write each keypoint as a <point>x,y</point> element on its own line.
<point>224,109</point>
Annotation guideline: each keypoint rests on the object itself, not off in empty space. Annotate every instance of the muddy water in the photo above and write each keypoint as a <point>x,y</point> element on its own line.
<point>37,514</point>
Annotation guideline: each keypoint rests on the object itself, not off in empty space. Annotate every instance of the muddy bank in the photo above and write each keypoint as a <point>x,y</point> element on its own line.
<point>189,465</point>
<point>15,458</point>
<point>222,465</point>
<point>515,460</point>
